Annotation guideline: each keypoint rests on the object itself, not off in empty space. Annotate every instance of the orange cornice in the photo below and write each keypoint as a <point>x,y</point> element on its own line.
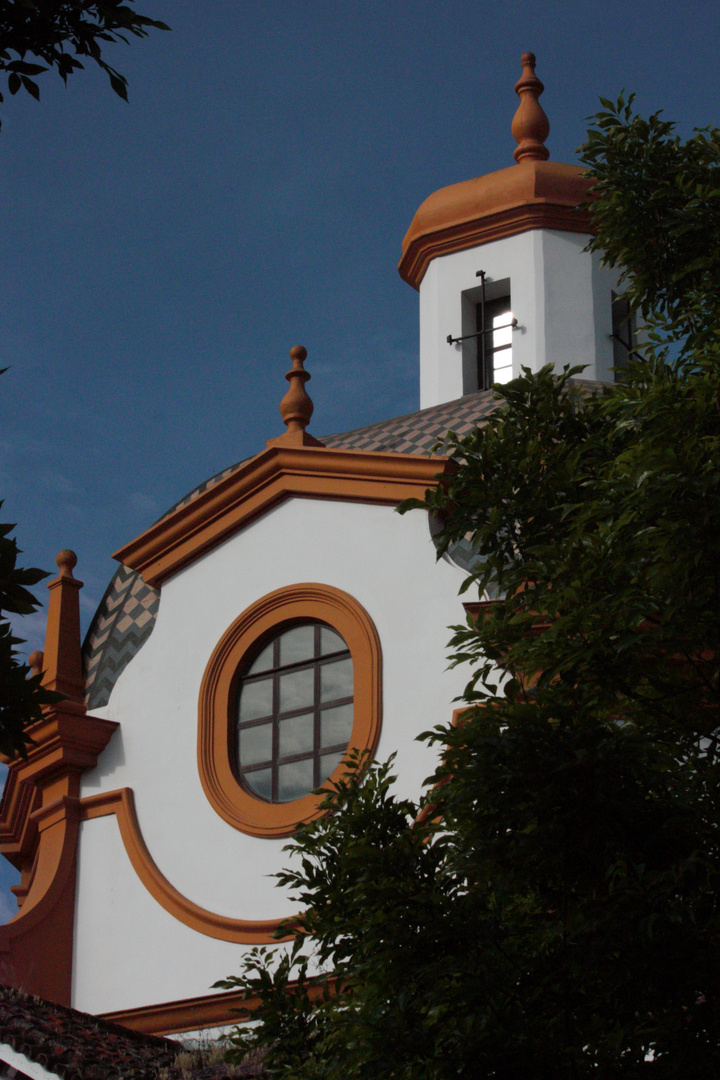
<point>64,746</point>
<point>188,1014</point>
<point>121,803</point>
<point>530,195</point>
<point>192,1014</point>
<point>275,474</point>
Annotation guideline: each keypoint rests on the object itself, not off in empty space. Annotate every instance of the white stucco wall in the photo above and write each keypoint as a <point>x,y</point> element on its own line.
<point>560,295</point>
<point>128,951</point>
<point>12,1062</point>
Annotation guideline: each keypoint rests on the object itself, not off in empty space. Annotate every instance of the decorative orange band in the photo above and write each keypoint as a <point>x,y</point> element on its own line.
<point>481,230</point>
<point>122,804</point>
<point>187,1014</point>
<point>192,1014</point>
<point>321,603</point>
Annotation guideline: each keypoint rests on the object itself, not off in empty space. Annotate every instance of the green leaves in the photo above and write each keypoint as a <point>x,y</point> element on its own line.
<point>59,33</point>
<point>656,210</point>
<point>21,693</point>
<point>550,908</point>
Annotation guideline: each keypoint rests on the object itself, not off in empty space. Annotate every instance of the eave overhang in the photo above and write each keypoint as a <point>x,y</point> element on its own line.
<point>531,195</point>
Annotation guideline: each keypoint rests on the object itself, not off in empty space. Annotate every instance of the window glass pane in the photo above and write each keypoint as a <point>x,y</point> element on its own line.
<point>295,780</point>
<point>256,700</point>
<point>336,680</point>
<point>255,744</point>
<point>502,331</point>
<point>503,374</point>
<point>328,763</point>
<point>263,662</point>
<point>336,725</point>
<point>622,335</point>
<point>297,735</point>
<point>260,782</point>
<point>330,641</point>
<point>297,644</point>
<point>297,689</point>
<point>297,702</point>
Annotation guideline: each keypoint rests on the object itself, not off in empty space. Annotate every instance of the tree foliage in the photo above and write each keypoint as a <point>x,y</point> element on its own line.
<point>550,907</point>
<point>657,215</point>
<point>57,33</point>
<point>21,694</point>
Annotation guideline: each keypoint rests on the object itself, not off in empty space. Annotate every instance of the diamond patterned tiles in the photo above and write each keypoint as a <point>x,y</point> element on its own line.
<point>122,624</point>
<point>418,432</point>
<point>126,615</point>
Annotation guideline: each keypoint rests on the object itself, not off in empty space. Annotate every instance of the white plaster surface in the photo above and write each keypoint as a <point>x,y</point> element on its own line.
<point>129,951</point>
<point>560,295</point>
<point>15,1060</point>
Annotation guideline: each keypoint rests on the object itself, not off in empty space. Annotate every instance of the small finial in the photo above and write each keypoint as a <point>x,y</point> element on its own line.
<point>36,660</point>
<point>530,125</point>
<point>296,407</point>
<point>66,561</point>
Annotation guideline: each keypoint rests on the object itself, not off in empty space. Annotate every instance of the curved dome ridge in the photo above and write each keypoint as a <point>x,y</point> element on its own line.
<point>530,195</point>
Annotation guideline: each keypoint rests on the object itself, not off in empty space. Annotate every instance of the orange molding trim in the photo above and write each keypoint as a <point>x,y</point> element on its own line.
<point>43,928</point>
<point>187,1014</point>
<point>40,808</point>
<point>122,804</point>
<point>322,603</point>
<point>65,744</point>
<point>533,194</point>
<point>191,1014</point>
<point>276,474</point>
<point>39,818</point>
<point>497,226</point>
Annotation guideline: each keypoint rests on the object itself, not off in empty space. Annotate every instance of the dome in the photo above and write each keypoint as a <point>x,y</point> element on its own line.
<point>533,194</point>
<point>530,195</point>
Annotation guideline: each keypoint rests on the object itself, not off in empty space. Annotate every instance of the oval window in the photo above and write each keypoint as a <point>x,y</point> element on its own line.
<point>292,683</point>
<point>294,712</point>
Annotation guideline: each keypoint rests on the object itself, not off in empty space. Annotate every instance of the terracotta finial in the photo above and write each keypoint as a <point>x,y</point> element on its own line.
<point>296,407</point>
<point>66,561</point>
<point>530,125</point>
<point>63,657</point>
<point>36,660</point>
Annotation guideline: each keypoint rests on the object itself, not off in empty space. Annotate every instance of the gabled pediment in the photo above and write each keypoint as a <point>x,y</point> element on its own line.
<point>263,482</point>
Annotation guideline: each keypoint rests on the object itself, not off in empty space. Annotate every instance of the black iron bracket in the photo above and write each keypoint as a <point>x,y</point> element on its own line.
<point>482,333</point>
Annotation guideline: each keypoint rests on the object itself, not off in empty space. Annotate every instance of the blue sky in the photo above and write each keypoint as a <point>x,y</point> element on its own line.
<point>159,258</point>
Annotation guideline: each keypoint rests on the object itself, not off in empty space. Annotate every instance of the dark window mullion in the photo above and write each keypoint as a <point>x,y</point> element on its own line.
<point>302,755</point>
<point>316,712</point>
<point>315,752</point>
<point>335,748</point>
<point>275,783</point>
<point>334,702</point>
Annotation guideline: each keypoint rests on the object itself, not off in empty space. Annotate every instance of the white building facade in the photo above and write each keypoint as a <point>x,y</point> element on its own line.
<point>278,614</point>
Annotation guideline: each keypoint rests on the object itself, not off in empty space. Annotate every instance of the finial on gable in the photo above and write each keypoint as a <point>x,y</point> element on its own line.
<point>62,658</point>
<point>530,125</point>
<point>296,407</point>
